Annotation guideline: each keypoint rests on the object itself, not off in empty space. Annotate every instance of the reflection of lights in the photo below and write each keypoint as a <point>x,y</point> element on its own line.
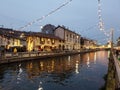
<point>88,61</point>
<point>31,65</point>
<point>19,74</point>
<point>41,65</point>
<point>108,54</point>
<point>77,67</point>
<point>68,60</point>
<point>95,57</point>
<point>43,17</point>
<point>40,87</point>
<point>53,63</point>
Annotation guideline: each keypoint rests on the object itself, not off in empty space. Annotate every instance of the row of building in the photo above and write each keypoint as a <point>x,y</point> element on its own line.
<point>49,39</point>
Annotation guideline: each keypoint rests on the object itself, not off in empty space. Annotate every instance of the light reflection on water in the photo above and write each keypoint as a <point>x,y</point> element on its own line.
<point>76,72</point>
<point>19,74</point>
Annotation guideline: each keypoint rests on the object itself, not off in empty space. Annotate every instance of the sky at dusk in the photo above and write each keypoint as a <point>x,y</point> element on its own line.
<point>80,16</point>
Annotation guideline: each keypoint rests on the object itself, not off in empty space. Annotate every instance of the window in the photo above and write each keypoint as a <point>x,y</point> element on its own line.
<point>42,41</point>
<point>48,41</point>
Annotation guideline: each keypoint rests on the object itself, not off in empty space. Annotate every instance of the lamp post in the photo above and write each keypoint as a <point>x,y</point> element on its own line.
<point>112,31</point>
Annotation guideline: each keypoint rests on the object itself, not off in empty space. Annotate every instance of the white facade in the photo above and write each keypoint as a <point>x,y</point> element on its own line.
<point>71,39</point>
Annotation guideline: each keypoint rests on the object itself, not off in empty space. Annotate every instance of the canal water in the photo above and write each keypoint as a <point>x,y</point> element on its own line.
<point>75,72</point>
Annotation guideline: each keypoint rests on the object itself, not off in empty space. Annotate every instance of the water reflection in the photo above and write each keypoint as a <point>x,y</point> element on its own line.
<point>95,58</point>
<point>55,73</point>
<point>19,74</point>
<point>56,65</point>
<point>88,60</point>
<point>77,67</point>
<point>40,86</point>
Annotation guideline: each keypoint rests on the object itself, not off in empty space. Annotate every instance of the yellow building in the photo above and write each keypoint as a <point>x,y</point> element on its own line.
<point>43,42</point>
<point>10,39</point>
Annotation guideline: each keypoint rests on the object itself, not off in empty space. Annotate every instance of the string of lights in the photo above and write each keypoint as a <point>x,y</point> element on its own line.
<point>101,23</point>
<point>43,17</point>
<point>96,36</point>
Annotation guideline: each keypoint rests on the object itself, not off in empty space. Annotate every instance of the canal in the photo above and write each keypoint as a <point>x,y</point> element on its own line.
<point>76,72</point>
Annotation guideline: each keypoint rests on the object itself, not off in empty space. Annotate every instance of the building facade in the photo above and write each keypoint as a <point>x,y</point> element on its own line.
<point>71,39</point>
<point>43,42</point>
<point>61,39</point>
<point>87,43</point>
<point>10,39</point>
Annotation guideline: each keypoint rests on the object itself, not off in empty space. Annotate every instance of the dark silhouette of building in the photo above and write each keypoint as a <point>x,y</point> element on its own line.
<point>48,29</point>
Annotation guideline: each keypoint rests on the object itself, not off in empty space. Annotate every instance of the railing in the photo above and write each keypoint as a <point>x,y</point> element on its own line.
<point>11,55</point>
<point>117,70</point>
<point>113,76</point>
<point>24,54</point>
<point>8,57</point>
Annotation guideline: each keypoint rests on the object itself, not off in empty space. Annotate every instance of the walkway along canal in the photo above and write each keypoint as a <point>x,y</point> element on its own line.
<point>113,77</point>
<point>72,72</point>
<point>9,57</point>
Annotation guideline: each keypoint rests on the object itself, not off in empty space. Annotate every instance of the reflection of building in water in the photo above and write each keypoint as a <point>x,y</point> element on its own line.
<point>53,65</point>
<point>32,69</point>
<point>77,63</point>
<point>102,54</point>
<point>58,66</point>
<point>83,58</point>
<point>108,54</point>
<point>95,58</point>
<point>68,60</point>
<point>88,60</point>
<point>19,74</point>
<point>91,57</point>
<point>40,86</point>
<point>41,65</point>
<point>77,67</point>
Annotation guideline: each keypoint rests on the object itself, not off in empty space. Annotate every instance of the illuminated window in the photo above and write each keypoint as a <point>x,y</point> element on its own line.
<point>42,41</point>
<point>53,41</point>
<point>48,41</point>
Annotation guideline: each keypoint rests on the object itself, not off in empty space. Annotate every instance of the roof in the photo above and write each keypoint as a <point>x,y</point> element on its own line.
<point>16,34</point>
<point>63,27</point>
<point>11,33</point>
<point>87,39</point>
<point>39,34</point>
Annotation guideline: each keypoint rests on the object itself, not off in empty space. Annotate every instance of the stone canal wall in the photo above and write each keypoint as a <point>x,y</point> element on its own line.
<point>113,77</point>
<point>25,56</point>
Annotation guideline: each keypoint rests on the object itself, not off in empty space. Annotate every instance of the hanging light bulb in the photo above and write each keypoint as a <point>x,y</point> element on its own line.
<point>43,17</point>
